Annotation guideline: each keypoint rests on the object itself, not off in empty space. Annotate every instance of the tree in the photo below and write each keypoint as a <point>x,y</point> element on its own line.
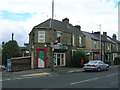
<point>10,49</point>
<point>75,62</point>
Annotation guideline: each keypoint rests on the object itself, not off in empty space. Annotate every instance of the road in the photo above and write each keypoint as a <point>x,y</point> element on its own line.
<point>103,79</point>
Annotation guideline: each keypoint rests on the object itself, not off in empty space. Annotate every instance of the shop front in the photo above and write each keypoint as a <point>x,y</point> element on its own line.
<point>59,56</point>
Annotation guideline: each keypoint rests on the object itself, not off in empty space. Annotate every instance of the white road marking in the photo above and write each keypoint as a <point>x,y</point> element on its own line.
<point>94,78</point>
<point>19,78</point>
<point>91,79</point>
<point>75,71</point>
<point>71,71</point>
<point>83,81</point>
<point>111,74</point>
<point>8,79</point>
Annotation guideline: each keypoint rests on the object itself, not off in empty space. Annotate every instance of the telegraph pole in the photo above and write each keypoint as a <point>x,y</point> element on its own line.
<point>51,22</point>
<point>12,36</point>
<point>100,43</point>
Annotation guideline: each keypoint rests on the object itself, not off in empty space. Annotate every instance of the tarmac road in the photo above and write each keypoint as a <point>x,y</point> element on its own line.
<point>103,79</point>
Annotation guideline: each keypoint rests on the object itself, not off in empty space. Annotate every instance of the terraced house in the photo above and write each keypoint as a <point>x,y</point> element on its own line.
<point>109,46</point>
<point>65,39</point>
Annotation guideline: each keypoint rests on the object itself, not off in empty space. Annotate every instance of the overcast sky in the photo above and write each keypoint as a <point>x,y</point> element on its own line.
<point>20,16</point>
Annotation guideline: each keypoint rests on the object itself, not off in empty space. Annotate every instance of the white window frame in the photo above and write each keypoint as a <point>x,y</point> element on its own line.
<point>59,34</point>
<point>41,36</point>
<point>73,40</point>
<point>95,44</point>
<point>80,40</point>
<point>73,52</point>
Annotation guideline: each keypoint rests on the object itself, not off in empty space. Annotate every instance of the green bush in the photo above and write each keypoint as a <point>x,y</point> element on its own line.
<point>75,62</point>
<point>117,61</point>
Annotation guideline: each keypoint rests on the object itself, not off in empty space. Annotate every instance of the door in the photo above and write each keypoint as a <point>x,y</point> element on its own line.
<point>102,65</point>
<point>62,59</point>
<point>40,57</point>
<point>59,59</point>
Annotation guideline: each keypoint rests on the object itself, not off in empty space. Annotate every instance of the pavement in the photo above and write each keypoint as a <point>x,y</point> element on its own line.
<point>44,71</point>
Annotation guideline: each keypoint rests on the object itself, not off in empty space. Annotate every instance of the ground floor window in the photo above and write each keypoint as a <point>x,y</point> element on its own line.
<point>96,56</point>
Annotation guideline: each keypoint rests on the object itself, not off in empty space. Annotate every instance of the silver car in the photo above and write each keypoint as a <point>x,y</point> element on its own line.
<point>96,65</point>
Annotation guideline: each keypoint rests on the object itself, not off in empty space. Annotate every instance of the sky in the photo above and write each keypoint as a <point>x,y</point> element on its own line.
<point>20,16</point>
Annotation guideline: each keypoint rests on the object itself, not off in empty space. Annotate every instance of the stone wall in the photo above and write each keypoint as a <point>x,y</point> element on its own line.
<point>21,63</point>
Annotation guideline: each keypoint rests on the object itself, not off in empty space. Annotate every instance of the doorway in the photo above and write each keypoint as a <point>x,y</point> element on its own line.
<point>59,59</point>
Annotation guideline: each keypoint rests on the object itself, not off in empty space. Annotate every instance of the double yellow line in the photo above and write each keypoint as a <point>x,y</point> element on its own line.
<point>36,74</point>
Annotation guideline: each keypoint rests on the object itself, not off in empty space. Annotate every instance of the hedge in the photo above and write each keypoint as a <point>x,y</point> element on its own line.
<point>117,61</point>
<point>75,62</point>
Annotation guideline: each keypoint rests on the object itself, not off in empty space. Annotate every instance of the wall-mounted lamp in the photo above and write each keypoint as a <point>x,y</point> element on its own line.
<point>45,45</point>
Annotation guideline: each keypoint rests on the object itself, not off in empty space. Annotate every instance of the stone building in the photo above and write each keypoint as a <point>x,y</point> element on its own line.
<point>61,39</point>
<point>63,36</point>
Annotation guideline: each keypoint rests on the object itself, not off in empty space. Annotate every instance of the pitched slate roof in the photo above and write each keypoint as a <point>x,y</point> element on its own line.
<point>110,40</point>
<point>95,36</point>
<point>115,41</point>
<point>59,25</point>
<point>90,35</point>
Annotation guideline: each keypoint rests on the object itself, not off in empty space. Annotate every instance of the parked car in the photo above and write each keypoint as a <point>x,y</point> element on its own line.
<point>96,65</point>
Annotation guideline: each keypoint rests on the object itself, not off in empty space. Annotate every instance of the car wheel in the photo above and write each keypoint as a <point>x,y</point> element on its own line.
<point>107,68</point>
<point>99,69</point>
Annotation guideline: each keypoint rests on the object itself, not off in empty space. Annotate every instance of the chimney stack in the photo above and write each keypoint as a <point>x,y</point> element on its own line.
<point>114,36</point>
<point>97,32</point>
<point>78,27</point>
<point>65,20</point>
<point>104,33</point>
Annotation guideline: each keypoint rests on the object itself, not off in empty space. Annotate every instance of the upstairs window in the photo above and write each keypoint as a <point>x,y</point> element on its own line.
<point>80,40</point>
<point>95,44</point>
<point>59,36</point>
<point>108,47</point>
<point>73,40</point>
<point>41,36</point>
<point>117,47</point>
